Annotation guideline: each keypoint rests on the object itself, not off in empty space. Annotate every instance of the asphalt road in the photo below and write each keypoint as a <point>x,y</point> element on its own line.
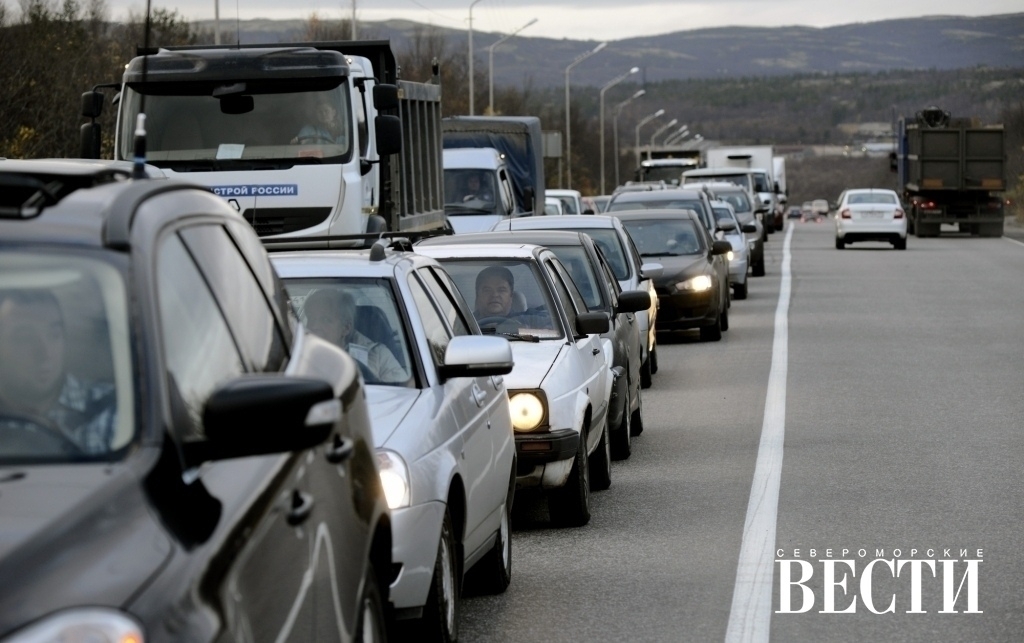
<point>903,424</point>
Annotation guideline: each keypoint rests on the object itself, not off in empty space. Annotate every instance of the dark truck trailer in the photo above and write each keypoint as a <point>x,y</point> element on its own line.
<point>951,171</point>
<point>519,138</point>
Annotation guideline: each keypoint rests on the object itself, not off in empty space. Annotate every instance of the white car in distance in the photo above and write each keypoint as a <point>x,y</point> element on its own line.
<point>440,413</point>
<point>870,214</point>
<point>730,230</point>
<point>560,388</point>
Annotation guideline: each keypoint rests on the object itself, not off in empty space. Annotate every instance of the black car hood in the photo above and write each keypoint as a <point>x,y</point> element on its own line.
<point>72,535</point>
<point>676,267</point>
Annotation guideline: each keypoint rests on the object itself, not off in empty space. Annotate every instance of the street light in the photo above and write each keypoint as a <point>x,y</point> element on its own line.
<point>614,81</point>
<point>658,133</point>
<point>490,64</point>
<point>471,5</point>
<point>680,133</point>
<point>615,128</point>
<point>644,121</point>
<point>568,133</point>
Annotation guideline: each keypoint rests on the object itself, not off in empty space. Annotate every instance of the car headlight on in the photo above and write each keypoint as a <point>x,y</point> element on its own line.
<point>93,624</point>
<point>730,255</point>
<point>700,283</point>
<point>394,478</point>
<point>528,410</point>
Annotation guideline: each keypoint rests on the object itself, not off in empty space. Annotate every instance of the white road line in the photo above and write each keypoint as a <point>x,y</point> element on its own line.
<point>751,613</point>
<point>1014,241</point>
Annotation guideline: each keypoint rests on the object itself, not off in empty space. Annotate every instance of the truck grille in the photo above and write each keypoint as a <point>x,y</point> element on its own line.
<point>271,221</point>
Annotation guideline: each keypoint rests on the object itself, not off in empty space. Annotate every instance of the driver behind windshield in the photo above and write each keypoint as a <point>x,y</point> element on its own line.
<point>36,390</point>
<point>494,287</point>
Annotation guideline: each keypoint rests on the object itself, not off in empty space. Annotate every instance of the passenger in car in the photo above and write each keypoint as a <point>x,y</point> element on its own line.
<point>36,390</point>
<point>494,288</point>
<point>331,314</point>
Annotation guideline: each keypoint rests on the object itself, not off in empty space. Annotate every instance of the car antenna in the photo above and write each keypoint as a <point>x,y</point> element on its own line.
<point>139,161</point>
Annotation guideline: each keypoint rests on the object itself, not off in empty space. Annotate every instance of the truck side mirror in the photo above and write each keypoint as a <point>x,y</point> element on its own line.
<point>385,97</point>
<point>893,165</point>
<point>389,134</point>
<point>89,141</point>
<point>92,104</point>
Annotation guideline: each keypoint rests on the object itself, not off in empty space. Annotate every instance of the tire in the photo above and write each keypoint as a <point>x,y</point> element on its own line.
<point>636,423</point>
<point>646,368</point>
<point>840,244</point>
<point>371,625</point>
<point>493,574</point>
<point>740,290</point>
<point>712,333</point>
<point>900,244</point>
<point>601,463</point>
<point>440,620</point>
<point>654,357</point>
<point>757,270</point>
<point>622,446</point>
<point>569,506</point>
<point>725,319</point>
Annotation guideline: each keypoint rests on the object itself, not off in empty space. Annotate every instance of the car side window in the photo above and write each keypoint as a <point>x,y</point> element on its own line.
<point>442,295</point>
<point>199,350</point>
<point>433,325</point>
<point>239,296</point>
<point>256,256</point>
<point>562,292</point>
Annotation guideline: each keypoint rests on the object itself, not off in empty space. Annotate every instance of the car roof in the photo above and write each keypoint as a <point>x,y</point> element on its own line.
<point>503,250</point>
<point>350,263</point>
<point>640,215</point>
<point>559,223</point>
<point>543,237</point>
<point>520,237</point>
<point>657,195</point>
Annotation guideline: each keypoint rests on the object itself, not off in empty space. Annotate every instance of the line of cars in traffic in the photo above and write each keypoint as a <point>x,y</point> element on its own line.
<point>201,440</point>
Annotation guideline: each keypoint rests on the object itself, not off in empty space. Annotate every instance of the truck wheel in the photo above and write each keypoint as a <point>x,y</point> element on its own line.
<point>990,229</point>
<point>569,506</point>
<point>622,446</point>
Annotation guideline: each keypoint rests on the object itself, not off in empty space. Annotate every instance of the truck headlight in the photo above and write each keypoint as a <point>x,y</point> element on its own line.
<point>700,283</point>
<point>99,624</point>
<point>528,410</point>
<point>394,478</point>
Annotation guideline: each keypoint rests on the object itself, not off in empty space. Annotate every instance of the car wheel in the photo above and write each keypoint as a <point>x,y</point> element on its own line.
<point>569,506</point>
<point>636,422</point>
<point>900,244</point>
<point>601,463</point>
<point>654,358</point>
<point>725,319</point>
<point>371,624</point>
<point>493,574</point>
<point>712,333</point>
<point>645,371</point>
<point>622,446</point>
<point>441,613</point>
<point>840,244</point>
<point>758,269</point>
<point>740,290</point>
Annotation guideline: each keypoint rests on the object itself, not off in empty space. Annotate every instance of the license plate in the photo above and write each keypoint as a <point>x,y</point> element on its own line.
<point>872,215</point>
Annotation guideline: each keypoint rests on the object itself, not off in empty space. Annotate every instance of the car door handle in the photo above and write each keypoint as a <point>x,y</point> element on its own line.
<point>302,507</point>
<point>595,351</point>
<point>497,381</point>
<point>479,395</point>
<point>340,450</point>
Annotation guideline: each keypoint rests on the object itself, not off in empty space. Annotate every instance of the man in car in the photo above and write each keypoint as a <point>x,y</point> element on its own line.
<point>494,288</point>
<point>330,314</point>
<point>35,388</point>
<point>475,190</point>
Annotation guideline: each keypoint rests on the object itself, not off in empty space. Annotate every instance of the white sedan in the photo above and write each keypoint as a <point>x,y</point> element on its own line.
<point>870,214</point>
<point>440,414</point>
<point>560,388</point>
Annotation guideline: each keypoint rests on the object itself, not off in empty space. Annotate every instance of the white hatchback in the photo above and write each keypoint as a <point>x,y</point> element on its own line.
<point>870,214</point>
<point>440,413</point>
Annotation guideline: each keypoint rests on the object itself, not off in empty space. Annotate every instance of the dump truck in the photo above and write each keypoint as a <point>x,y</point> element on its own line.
<point>315,139</point>
<point>952,171</point>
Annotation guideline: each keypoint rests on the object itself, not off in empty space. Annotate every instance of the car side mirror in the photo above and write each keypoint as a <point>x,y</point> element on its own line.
<point>262,414</point>
<point>721,248</point>
<point>748,228</point>
<point>633,301</point>
<point>476,356</point>
<point>727,226</point>
<point>651,270</point>
<point>592,323</point>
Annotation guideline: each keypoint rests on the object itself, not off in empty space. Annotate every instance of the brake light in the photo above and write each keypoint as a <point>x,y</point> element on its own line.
<point>928,205</point>
<point>898,214</point>
<point>845,213</point>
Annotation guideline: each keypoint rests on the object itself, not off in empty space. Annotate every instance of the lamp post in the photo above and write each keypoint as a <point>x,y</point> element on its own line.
<point>615,128</point>
<point>679,134</point>
<point>471,5</point>
<point>568,133</point>
<point>658,133</point>
<point>609,84</point>
<point>644,121</point>
<point>490,65</point>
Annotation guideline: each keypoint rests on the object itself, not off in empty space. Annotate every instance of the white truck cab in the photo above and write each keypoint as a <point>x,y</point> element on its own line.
<point>478,189</point>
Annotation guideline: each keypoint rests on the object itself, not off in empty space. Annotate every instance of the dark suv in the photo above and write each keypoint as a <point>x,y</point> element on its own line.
<point>179,459</point>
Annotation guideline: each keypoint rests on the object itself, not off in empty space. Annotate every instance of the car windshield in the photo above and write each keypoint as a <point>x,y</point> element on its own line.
<point>360,315</point>
<point>66,381</point>
<point>199,131</point>
<point>469,191</point>
<point>582,272</point>
<point>608,240</point>
<point>664,237</point>
<point>508,297</point>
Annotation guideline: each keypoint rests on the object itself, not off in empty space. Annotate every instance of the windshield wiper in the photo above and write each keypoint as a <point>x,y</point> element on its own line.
<point>523,338</point>
<point>458,207</point>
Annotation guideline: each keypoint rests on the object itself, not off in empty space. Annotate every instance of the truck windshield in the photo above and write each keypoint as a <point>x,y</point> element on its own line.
<point>742,180</point>
<point>470,191</point>
<point>188,131</point>
<point>667,173</point>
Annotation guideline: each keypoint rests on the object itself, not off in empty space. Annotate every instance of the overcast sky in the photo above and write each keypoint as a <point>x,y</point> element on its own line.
<point>586,19</point>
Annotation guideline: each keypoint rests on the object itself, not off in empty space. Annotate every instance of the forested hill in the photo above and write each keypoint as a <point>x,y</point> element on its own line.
<point>937,42</point>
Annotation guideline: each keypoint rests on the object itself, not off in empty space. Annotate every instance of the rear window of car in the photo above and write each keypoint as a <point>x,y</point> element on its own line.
<point>872,197</point>
<point>610,243</point>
